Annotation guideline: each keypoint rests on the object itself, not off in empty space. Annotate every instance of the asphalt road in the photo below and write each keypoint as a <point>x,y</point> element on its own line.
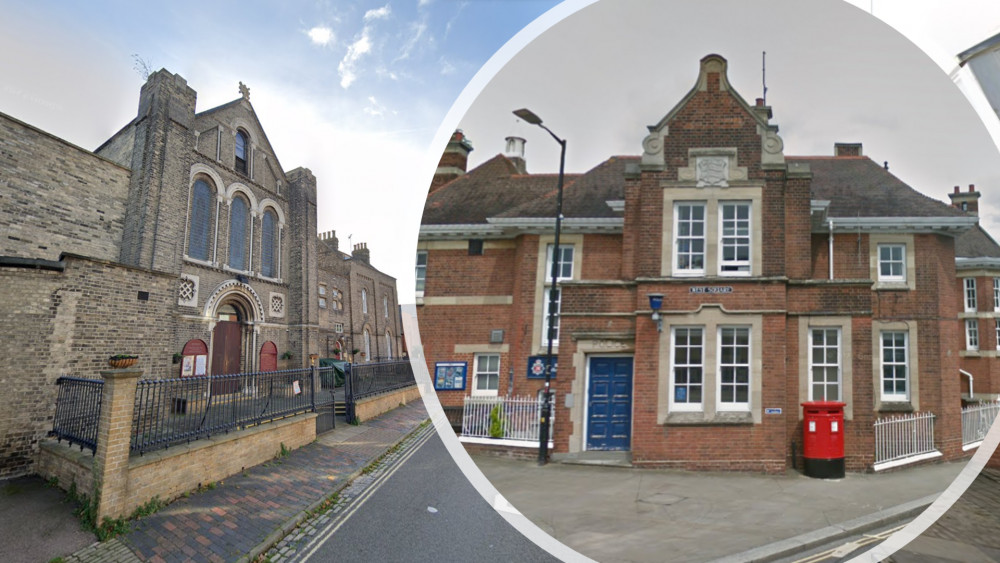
<point>417,507</point>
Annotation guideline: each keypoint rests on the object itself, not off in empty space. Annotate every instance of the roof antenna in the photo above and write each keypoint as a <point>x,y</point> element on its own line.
<point>763,73</point>
<point>886,165</point>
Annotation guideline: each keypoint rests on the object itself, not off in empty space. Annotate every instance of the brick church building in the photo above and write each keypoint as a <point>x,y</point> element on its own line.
<point>785,279</point>
<point>180,239</point>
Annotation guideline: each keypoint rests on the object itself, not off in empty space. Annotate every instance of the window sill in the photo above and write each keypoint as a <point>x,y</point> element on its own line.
<point>892,286</point>
<point>701,418</point>
<point>199,262</point>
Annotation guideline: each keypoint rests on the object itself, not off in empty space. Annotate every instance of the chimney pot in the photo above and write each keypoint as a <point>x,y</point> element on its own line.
<point>972,187</point>
<point>956,189</point>
<point>760,102</point>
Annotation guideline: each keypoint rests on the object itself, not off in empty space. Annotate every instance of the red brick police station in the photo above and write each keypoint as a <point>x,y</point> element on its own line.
<point>785,279</point>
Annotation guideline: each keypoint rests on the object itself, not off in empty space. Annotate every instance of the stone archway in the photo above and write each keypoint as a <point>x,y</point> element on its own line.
<point>235,311</point>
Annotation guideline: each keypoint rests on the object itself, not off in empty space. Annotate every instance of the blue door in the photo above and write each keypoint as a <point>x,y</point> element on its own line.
<point>609,404</point>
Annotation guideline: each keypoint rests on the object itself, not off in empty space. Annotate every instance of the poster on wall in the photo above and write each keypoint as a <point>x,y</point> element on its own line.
<point>187,367</point>
<point>450,376</point>
<point>201,364</point>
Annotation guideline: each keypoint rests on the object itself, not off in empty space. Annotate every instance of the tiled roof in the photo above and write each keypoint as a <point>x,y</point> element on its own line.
<point>976,243</point>
<point>488,190</point>
<point>855,187</point>
<point>584,197</point>
<point>860,187</point>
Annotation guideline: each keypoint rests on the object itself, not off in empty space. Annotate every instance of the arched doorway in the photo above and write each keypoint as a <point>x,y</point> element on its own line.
<point>269,357</point>
<point>227,340</point>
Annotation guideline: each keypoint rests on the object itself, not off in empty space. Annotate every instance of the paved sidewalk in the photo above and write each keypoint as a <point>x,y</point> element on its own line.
<point>968,532</point>
<point>614,514</point>
<point>243,515</point>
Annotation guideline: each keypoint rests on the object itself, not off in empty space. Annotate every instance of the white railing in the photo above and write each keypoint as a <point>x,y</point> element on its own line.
<point>976,422</point>
<point>904,439</point>
<point>516,418</point>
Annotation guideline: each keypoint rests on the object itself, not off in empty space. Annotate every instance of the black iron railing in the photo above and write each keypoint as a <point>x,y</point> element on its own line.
<point>174,411</point>
<point>78,408</point>
<point>369,379</point>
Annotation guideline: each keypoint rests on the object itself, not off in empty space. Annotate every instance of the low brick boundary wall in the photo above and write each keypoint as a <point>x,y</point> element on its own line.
<point>367,409</point>
<point>171,472</point>
<point>525,451</point>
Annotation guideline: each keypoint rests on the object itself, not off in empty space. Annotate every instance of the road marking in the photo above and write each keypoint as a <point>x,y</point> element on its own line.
<point>356,503</point>
<point>849,547</point>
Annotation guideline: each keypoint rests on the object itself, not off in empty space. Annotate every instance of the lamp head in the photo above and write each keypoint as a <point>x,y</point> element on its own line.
<point>655,301</point>
<point>528,116</point>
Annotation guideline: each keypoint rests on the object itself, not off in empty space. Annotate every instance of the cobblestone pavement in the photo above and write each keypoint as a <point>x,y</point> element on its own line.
<point>291,547</point>
<point>239,517</point>
<point>969,531</point>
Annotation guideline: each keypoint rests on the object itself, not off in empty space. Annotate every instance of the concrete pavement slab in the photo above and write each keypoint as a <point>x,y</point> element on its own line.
<point>618,514</point>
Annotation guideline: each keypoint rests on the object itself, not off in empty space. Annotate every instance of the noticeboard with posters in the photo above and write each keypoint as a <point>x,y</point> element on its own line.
<point>450,376</point>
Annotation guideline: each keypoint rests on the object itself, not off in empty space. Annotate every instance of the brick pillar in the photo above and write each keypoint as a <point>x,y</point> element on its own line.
<point>114,434</point>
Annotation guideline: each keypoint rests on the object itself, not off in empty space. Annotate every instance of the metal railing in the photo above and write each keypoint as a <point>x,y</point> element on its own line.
<point>173,411</point>
<point>374,378</point>
<point>514,418</point>
<point>78,408</point>
<point>900,438</point>
<point>976,422</point>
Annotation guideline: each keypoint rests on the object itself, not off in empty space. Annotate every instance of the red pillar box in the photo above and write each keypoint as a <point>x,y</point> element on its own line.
<point>823,439</point>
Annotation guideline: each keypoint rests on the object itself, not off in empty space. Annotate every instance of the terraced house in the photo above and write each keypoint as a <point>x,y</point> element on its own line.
<point>784,279</point>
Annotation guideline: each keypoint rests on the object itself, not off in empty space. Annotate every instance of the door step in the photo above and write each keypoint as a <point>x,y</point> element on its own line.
<point>609,459</point>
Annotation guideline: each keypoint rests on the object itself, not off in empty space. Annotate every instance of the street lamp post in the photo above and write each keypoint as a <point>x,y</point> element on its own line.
<point>546,416</point>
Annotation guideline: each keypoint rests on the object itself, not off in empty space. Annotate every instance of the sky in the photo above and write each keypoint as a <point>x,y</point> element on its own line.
<point>366,93</point>
<point>352,90</point>
<point>833,74</point>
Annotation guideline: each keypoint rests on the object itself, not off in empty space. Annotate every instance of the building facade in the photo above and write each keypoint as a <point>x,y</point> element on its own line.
<point>359,312</point>
<point>784,279</point>
<point>180,239</point>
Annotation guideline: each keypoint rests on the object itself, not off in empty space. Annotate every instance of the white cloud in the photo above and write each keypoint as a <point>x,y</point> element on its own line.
<point>423,3</point>
<point>320,35</point>
<point>446,67</point>
<point>378,13</point>
<point>418,29</point>
<point>374,108</point>
<point>360,47</point>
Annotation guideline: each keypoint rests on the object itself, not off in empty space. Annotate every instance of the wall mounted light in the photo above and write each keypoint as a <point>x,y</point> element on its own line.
<point>656,303</point>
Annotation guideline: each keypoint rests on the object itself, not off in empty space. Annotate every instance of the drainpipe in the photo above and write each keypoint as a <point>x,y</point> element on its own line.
<point>831,248</point>
<point>969,375</point>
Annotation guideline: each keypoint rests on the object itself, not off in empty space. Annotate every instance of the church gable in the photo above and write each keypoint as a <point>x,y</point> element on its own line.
<point>713,137</point>
<point>232,136</point>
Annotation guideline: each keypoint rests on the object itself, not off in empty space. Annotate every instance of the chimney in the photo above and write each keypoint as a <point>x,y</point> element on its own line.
<point>966,201</point>
<point>361,254</point>
<point>847,149</point>
<point>454,160</point>
<point>331,239</point>
<point>515,152</point>
<point>762,110</point>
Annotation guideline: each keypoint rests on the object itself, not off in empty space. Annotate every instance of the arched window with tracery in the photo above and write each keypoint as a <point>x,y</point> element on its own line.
<point>241,152</point>
<point>269,244</point>
<point>238,211</point>
<point>199,230</point>
<point>388,345</point>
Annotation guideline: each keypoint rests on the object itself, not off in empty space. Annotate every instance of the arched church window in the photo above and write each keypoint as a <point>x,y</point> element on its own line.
<point>201,220</point>
<point>364,301</point>
<point>388,345</point>
<point>238,234</point>
<point>268,244</point>
<point>241,152</point>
